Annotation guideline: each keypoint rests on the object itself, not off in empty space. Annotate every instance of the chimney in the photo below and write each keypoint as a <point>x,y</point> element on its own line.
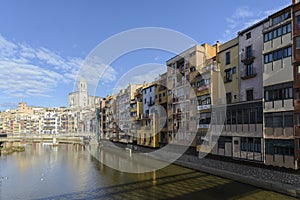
<point>295,2</point>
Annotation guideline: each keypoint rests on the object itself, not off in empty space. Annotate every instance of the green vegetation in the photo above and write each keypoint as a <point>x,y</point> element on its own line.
<point>9,150</point>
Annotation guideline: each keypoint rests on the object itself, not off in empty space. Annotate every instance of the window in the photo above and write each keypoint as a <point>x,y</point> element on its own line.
<point>275,33</point>
<point>270,35</point>
<point>249,51</point>
<point>246,116</point>
<point>228,117</point>
<point>244,144</point>
<point>227,58</point>
<point>298,94</point>
<point>250,144</point>
<point>228,97</point>
<point>288,120</point>
<point>298,22</point>
<point>298,119</point>
<point>227,75</point>
<point>267,95</point>
<point>259,115</point>
<point>257,145</point>
<point>289,28</point>
<point>298,69</point>
<point>266,37</point>
<point>289,51</point>
<point>298,42</point>
<point>150,139</point>
<point>145,101</point>
<point>249,94</point>
<point>234,70</point>
<point>249,70</point>
<point>268,58</point>
<point>284,29</point>
<point>281,18</point>
<point>252,116</point>
<point>248,35</point>
<point>269,121</point>
<point>192,69</point>
<point>288,93</point>
<point>221,143</point>
<point>277,55</point>
<point>233,117</point>
<point>276,20</point>
<point>240,117</point>
<point>279,32</point>
<point>278,121</point>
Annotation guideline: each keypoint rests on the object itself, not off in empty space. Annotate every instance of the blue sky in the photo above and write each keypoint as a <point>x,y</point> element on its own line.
<point>43,43</point>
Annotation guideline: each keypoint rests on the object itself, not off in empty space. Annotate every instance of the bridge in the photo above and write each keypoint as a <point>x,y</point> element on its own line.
<point>47,138</point>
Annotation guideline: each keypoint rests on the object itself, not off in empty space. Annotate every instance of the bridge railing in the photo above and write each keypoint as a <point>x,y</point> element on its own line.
<point>31,135</point>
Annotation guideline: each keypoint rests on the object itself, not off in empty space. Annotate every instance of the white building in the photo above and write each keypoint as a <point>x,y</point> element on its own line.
<point>51,122</point>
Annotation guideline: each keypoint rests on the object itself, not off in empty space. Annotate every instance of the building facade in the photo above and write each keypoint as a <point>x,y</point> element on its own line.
<point>278,90</point>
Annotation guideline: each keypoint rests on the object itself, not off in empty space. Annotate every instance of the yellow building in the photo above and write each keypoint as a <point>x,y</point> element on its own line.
<point>147,135</point>
<point>161,101</point>
<point>228,57</point>
<point>136,112</point>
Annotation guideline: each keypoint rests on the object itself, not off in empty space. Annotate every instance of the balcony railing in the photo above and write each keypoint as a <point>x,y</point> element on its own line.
<point>246,74</point>
<point>175,100</point>
<point>203,125</point>
<point>248,57</point>
<point>145,116</point>
<point>205,69</point>
<point>204,107</point>
<point>203,87</point>
<point>151,103</point>
<point>227,79</point>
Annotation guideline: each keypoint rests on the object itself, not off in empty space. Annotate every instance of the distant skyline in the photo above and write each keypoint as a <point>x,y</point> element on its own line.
<point>43,43</point>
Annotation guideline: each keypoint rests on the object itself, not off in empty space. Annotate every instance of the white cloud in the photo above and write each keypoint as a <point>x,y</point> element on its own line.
<point>94,70</point>
<point>27,71</point>
<point>244,17</point>
<point>142,74</point>
<point>243,12</point>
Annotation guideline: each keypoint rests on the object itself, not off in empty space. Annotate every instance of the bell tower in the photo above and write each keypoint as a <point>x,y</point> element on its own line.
<point>83,93</point>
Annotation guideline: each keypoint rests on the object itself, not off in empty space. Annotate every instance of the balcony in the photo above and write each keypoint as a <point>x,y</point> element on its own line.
<point>203,125</point>
<point>145,116</point>
<point>250,73</point>
<point>203,87</point>
<point>151,103</point>
<point>175,100</point>
<point>227,79</point>
<point>204,107</point>
<point>206,69</point>
<point>247,57</point>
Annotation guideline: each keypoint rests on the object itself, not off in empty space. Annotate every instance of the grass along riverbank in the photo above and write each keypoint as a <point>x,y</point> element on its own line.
<point>12,149</point>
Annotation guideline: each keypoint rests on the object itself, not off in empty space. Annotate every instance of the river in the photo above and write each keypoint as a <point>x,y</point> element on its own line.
<point>70,172</point>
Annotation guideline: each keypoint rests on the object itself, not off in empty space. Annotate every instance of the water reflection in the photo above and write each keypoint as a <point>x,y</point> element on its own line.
<point>70,172</point>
